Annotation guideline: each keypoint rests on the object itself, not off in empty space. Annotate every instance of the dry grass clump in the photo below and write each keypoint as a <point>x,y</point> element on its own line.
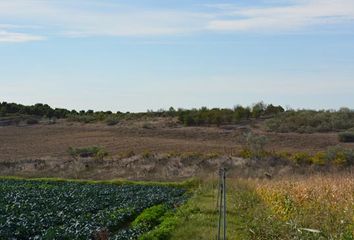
<point>295,208</point>
<point>323,203</point>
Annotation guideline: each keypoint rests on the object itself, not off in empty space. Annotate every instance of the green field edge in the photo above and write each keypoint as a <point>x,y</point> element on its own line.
<point>167,222</point>
<point>172,219</point>
<point>188,184</point>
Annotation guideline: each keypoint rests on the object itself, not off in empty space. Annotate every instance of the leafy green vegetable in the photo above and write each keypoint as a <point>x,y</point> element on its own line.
<point>71,210</point>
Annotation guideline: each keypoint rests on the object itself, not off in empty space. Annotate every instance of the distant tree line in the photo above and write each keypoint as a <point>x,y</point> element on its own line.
<point>44,110</point>
<point>39,109</point>
<point>277,119</point>
<point>219,116</point>
<point>192,117</point>
<point>309,121</point>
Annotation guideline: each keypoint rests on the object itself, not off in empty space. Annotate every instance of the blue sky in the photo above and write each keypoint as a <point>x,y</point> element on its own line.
<point>138,55</point>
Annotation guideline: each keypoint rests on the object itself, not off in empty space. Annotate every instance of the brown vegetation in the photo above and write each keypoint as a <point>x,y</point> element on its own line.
<point>164,150</point>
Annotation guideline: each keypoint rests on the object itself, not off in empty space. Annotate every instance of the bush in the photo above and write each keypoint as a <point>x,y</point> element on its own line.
<point>301,158</point>
<point>32,121</point>
<point>319,158</point>
<point>112,120</point>
<point>340,156</point>
<point>255,145</point>
<point>346,137</point>
<point>96,152</point>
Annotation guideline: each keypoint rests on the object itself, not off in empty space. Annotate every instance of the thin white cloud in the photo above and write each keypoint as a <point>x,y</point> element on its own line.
<point>96,18</point>
<point>297,15</point>
<point>91,18</point>
<point>135,23</point>
<point>12,33</point>
<point>15,37</point>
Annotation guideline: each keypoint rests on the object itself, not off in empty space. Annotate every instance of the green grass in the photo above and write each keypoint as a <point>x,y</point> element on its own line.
<point>199,215</point>
<point>310,209</point>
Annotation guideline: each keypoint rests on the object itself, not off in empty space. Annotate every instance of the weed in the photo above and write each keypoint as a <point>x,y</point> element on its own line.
<point>95,152</point>
<point>147,154</point>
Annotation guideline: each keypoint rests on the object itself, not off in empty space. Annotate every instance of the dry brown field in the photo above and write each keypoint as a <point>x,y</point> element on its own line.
<point>42,150</point>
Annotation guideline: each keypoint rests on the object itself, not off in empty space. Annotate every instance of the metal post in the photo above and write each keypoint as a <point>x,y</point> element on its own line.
<point>224,205</point>
<point>221,204</point>
<point>220,194</point>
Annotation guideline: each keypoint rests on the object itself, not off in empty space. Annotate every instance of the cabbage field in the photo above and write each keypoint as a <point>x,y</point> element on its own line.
<point>72,210</point>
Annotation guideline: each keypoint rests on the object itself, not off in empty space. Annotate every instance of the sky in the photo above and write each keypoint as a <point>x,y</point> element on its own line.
<point>137,55</point>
